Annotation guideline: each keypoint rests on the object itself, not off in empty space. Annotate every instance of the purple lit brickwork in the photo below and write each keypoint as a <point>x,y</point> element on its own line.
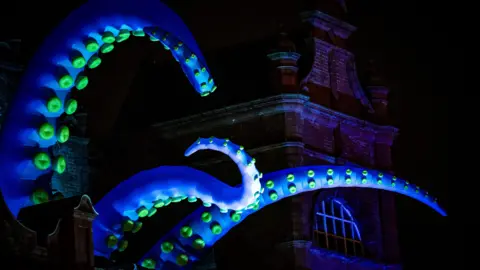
<point>311,134</point>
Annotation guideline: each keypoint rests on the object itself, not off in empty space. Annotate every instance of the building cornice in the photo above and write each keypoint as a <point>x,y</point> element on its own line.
<point>271,147</point>
<point>327,23</point>
<point>284,56</point>
<point>253,152</point>
<point>278,104</point>
<point>324,253</point>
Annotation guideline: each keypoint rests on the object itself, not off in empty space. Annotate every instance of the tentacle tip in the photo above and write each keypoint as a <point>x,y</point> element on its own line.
<point>193,148</point>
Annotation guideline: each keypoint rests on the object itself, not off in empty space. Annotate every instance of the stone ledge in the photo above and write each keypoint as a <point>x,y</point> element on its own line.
<point>328,254</point>
<point>327,22</point>
<point>294,244</point>
<point>278,104</point>
<point>251,152</point>
<point>271,147</point>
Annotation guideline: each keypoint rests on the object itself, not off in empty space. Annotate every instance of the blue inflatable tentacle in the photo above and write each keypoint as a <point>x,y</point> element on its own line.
<point>141,195</point>
<point>246,164</point>
<point>56,71</point>
<point>32,128</point>
<point>208,225</point>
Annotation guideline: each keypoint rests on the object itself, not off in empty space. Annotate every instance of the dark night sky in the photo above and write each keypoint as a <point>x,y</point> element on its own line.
<point>408,42</point>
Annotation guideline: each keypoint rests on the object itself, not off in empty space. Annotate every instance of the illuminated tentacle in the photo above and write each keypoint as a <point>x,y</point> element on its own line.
<point>141,195</point>
<point>45,94</point>
<point>208,225</point>
<point>57,70</point>
<point>294,181</point>
<point>123,208</point>
<point>246,164</point>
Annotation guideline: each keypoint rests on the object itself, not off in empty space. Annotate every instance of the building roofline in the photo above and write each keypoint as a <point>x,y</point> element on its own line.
<point>263,107</point>
<point>321,20</point>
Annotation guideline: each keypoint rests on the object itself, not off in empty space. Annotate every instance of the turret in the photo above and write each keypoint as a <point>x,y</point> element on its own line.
<point>284,70</point>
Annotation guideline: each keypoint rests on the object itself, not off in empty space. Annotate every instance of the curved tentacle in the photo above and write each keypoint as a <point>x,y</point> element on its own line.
<point>140,195</point>
<point>33,123</point>
<point>208,225</point>
<point>33,126</point>
<point>246,164</point>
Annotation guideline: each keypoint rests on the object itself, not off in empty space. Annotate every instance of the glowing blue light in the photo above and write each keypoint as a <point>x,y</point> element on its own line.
<point>51,73</point>
<point>279,182</point>
<point>90,31</point>
<point>135,197</point>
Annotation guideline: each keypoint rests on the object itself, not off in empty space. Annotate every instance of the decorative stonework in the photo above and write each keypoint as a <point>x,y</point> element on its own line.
<point>328,23</point>
<point>320,72</point>
<point>279,56</point>
<point>334,67</point>
<point>269,106</point>
<point>356,87</point>
<point>318,129</point>
<point>85,209</point>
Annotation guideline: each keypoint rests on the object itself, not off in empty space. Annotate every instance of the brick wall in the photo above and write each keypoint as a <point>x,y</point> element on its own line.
<point>75,180</point>
<point>332,80</point>
<point>319,136</point>
<point>287,140</point>
<point>300,135</point>
<point>338,59</point>
<point>320,73</point>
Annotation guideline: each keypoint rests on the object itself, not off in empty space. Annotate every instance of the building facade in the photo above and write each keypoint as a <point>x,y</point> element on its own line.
<point>323,116</point>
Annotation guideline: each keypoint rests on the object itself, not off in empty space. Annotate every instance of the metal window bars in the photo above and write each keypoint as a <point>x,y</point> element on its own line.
<point>335,229</point>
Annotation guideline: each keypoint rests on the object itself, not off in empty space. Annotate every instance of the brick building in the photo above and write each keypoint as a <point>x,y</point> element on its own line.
<point>305,106</point>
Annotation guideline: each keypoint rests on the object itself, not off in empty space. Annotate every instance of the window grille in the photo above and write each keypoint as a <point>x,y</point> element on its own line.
<point>335,229</point>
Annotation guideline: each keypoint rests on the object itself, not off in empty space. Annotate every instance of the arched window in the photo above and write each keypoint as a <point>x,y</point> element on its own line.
<point>335,229</point>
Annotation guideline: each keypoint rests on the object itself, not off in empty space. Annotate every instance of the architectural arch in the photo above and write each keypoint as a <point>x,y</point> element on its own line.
<point>34,124</point>
<point>335,228</point>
